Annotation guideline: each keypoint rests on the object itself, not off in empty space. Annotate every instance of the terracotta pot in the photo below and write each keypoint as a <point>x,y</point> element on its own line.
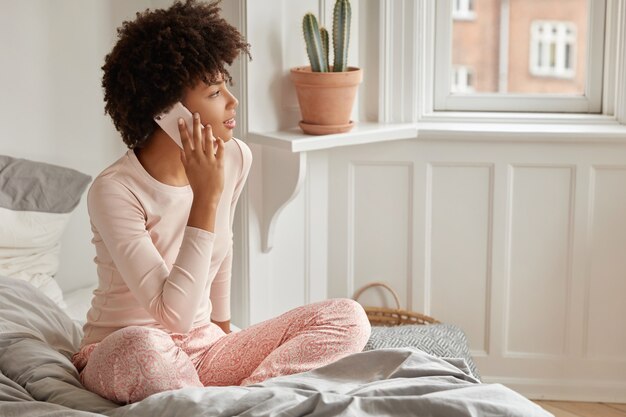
<point>326,99</point>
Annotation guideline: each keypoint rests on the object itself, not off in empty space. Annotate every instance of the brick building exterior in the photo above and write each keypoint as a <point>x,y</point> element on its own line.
<point>546,46</point>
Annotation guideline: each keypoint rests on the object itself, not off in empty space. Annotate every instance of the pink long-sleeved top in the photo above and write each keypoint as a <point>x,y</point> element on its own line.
<point>153,269</point>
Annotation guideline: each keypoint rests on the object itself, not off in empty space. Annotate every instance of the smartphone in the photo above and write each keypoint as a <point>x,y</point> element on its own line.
<point>168,120</point>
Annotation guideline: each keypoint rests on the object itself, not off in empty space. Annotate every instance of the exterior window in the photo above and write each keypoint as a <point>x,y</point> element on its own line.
<point>519,56</point>
<point>552,49</point>
<point>462,80</point>
<point>463,10</point>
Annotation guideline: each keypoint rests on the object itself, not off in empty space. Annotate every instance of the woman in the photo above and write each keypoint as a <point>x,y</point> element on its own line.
<point>162,224</point>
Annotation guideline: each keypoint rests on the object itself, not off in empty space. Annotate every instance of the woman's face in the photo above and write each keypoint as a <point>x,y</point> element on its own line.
<point>216,106</point>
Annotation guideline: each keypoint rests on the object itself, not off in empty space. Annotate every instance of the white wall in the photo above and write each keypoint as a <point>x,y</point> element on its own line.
<point>51,108</point>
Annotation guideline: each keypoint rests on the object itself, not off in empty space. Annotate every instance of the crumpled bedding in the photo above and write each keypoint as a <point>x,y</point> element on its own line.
<point>37,379</point>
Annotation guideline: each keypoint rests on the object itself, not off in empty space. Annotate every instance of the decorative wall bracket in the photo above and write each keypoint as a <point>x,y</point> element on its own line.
<point>283,176</point>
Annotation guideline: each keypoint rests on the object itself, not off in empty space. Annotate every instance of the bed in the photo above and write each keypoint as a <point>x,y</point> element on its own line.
<point>40,329</point>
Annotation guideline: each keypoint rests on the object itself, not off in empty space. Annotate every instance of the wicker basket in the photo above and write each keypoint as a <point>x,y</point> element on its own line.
<point>382,316</point>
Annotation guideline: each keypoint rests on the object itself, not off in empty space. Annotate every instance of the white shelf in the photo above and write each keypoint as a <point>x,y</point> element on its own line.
<point>363,132</point>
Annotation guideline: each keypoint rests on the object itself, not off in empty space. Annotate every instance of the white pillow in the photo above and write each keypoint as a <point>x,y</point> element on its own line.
<point>36,201</point>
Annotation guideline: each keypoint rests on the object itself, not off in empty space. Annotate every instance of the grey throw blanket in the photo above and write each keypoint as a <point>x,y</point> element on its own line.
<point>37,379</point>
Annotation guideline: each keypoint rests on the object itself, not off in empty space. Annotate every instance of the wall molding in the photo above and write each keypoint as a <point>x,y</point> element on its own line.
<point>620,68</point>
<point>241,240</point>
<point>591,193</point>
<point>307,240</point>
<point>350,229</point>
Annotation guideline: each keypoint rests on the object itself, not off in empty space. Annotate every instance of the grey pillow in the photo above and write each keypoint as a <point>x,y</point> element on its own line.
<point>442,340</point>
<point>37,186</point>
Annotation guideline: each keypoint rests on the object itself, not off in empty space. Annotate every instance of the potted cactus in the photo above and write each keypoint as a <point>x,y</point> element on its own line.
<point>326,92</point>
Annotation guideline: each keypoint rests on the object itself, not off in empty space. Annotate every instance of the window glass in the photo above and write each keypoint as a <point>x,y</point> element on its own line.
<point>519,46</point>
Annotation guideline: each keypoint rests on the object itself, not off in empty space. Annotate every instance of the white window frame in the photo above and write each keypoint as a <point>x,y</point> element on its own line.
<point>464,9</point>
<point>406,74</point>
<point>544,34</point>
<point>589,102</point>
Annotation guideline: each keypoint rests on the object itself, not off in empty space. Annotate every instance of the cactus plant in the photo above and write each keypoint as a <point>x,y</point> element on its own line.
<point>317,42</point>
<point>341,34</point>
<point>324,34</point>
<point>314,47</point>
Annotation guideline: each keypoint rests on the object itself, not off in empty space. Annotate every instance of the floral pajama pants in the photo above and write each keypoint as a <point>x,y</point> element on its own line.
<point>135,362</point>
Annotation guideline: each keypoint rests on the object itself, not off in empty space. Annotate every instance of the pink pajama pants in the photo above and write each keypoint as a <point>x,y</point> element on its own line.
<point>135,362</point>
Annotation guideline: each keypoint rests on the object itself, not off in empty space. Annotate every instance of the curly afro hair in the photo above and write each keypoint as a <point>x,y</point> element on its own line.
<point>160,54</point>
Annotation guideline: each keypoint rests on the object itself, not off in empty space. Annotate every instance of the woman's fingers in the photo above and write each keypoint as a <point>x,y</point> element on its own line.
<point>208,140</point>
<point>197,132</point>
<point>220,148</point>
<point>184,138</point>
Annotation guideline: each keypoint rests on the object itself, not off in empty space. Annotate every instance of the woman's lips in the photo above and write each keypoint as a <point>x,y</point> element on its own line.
<point>230,123</point>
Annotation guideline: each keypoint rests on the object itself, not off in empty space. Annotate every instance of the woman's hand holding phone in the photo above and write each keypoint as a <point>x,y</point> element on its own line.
<point>204,166</point>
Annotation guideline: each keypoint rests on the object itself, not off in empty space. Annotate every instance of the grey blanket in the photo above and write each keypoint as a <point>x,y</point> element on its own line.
<point>37,379</point>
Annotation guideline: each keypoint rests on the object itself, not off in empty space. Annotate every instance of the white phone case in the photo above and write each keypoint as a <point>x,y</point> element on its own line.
<point>168,121</point>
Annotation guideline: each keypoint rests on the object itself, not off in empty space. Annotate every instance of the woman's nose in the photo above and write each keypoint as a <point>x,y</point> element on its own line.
<point>232,102</point>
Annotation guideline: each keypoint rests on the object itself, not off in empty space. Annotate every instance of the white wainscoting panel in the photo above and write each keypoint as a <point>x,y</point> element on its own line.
<point>380,216</point>
<point>459,201</point>
<point>606,301</point>
<point>538,278</point>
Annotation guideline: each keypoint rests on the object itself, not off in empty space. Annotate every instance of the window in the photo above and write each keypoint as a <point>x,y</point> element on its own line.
<point>552,49</point>
<point>462,80</point>
<point>519,56</point>
<point>463,10</point>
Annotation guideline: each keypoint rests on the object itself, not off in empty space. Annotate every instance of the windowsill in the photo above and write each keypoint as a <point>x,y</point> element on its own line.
<point>295,140</point>
<point>523,128</point>
<point>523,132</point>
<point>518,117</point>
